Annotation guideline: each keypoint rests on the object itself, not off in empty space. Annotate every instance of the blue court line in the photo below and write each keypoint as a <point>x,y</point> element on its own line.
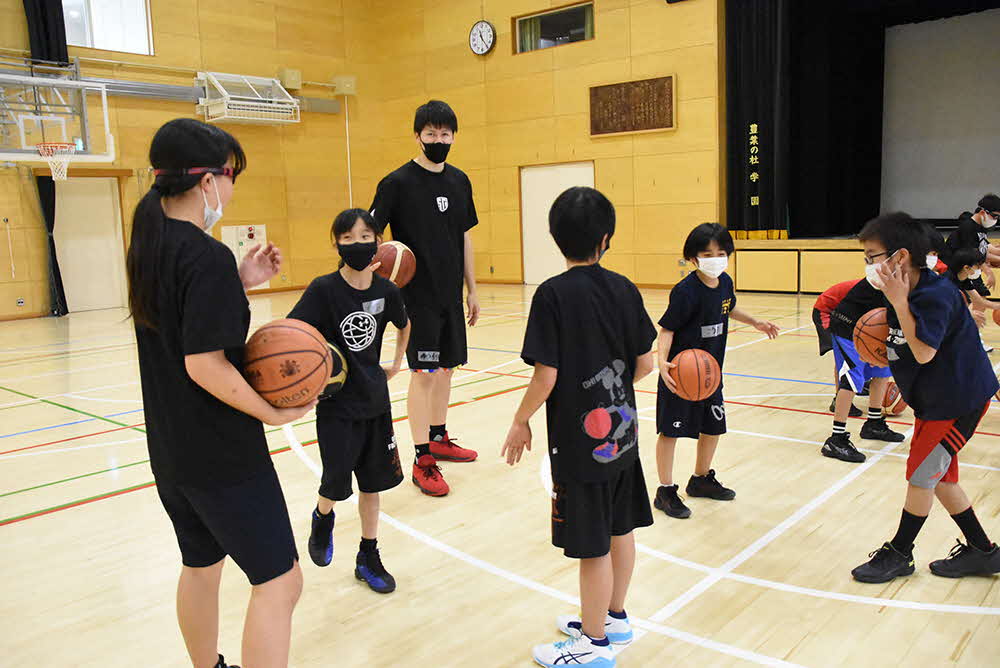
<point>786,380</point>
<point>67,424</point>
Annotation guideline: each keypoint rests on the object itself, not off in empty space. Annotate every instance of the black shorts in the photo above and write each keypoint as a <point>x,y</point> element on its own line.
<point>825,340</point>
<point>247,521</point>
<point>437,337</point>
<point>366,448</point>
<point>585,515</point>
<point>679,418</point>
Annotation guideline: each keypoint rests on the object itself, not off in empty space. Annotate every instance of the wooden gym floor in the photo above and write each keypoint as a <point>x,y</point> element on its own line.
<point>89,560</point>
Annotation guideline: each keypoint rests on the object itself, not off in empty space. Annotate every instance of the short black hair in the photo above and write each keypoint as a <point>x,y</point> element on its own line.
<point>936,240</point>
<point>990,202</point>
<point>578,220</point>
<point>898,230</point>
<point>347,219</point>
<point>436,114</point>
<point>965,257</point>
<point>702,235</point>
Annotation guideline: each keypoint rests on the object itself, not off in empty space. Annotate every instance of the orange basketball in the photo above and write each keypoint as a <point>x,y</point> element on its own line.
<point>892,403</point>
<point>398,262</point>
<point>996,316</point>
<point>870,334</point>
<point>288,362</point>
<point>697,374</point>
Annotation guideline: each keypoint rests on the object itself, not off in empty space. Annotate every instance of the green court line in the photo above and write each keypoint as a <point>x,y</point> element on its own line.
<point>68,408</point>
<point>76,477</point>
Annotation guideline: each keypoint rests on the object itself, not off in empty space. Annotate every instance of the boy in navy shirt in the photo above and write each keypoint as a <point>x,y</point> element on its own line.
<point>589,339</point>
<point>697,317</point>
<point>945,376</point>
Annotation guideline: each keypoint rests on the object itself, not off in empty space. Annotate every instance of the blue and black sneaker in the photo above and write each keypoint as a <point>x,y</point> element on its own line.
<point>222,663</point>
<point>370,569</point>
<point>321,538</point>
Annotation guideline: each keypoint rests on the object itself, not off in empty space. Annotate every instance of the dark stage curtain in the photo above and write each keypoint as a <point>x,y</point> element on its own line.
<point>47,200</point>
<point>757,105</point>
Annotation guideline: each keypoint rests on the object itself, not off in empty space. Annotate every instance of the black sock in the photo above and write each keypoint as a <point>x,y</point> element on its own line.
<point>874,415</point>
<point>973,530</point>
<point>423,449</point>
<point>909,527</point>
<point>603,642</point>
<point>368,544</point>
<point>221,663</point>
<point>839,428</point>
<point>438,432</point>
<point>320,515</point>
<point>617,615</point>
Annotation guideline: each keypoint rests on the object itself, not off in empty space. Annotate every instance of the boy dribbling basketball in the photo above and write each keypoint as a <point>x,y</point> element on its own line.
<point>697,317</point>
<point>352,308</point>
<point>945,376</point>
<point>588,338</point>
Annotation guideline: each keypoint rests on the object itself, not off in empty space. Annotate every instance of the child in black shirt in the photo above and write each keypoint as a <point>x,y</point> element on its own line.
<point>964,270</point>
<point>352,308</point>
<point>697,317</point>
<point>588,338</point>
<point>207,448</point>
<point>945,376</point>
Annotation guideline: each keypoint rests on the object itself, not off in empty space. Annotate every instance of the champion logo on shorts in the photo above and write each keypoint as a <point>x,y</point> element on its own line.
<point>719,413</point>
<point>428,356</point>
<point>677,425</point>
<point>442,204</point>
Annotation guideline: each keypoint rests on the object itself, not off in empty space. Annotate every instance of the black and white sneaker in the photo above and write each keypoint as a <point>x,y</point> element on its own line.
<point>668,501</point>
<point>855,411</point>
<point>878,430</point>
<point>222,663</point>
<point>706,486</point>
<point>886,564</point>
<point>967,560</point>
<point>839,446</point>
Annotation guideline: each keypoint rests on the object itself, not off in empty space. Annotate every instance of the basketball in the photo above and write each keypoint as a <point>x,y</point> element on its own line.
<point>288,363</point>
<point>398,262</point>
<point>870,334</point>
<point>892,402</point>
<point>597,423</point>
<point>697,375</point>
<point>996,316</point>
<point>338,373</point>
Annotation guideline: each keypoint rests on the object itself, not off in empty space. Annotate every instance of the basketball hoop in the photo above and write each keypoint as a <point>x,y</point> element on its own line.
<point>58,156</point>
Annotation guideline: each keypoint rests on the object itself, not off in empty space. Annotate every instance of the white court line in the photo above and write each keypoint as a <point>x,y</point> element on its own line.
<point>750,343</point>
<point>747,553</point>
<point>25,402</point>
<point>66,372</point>
<point>101,399</point>
<point>469,375</point>
<point>486,566</point>
<point>39,453</point>
<point>66,343</point>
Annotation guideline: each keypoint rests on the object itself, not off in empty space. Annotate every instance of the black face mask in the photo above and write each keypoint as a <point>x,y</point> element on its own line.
<point>359,255</point>
<point>436,152</point>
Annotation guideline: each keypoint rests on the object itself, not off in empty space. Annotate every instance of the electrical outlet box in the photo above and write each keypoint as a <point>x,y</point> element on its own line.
<point>290,78</point>
<point>345,84</point>
<point>20,302</point>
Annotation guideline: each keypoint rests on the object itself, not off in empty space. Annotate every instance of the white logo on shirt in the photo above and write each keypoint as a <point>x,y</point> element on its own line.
<point>442,204</point>
<point>359,330</point>
<point>710,331</point>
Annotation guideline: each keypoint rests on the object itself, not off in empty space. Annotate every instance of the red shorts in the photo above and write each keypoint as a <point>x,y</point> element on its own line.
<point>935,445</point>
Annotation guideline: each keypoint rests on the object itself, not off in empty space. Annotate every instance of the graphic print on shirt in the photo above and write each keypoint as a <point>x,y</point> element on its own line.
<point>359,329</point>
<point>896,340</point>
<point>442,204</point>
<point>612,424</point>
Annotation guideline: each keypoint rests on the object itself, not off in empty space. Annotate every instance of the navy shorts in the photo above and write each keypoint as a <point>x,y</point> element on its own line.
<point>247,521</point>
<point>680,418</point>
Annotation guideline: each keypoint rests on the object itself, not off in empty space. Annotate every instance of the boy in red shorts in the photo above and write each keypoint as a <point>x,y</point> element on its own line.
<point>945,376</point>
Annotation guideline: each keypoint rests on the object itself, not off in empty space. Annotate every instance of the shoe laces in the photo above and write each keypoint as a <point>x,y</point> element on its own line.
<point>569,642</point>
<point>881,554</point>
<point>958,550</point>
<point>431,471</point>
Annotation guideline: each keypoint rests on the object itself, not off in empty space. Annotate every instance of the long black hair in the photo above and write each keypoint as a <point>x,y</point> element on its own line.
<point>181,144</point>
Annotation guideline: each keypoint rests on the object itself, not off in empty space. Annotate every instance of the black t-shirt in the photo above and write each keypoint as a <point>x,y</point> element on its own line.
<point>354,320</point>
<point>591,325</point>
<point>699,316</point>
<point>959,379</point>
<point>193,437</point>
<point>965,285</point>
<point>429,212</point>
<point>969,234</point>
<point>861,299</point>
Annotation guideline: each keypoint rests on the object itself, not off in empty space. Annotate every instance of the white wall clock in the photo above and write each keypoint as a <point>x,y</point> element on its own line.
<point>482,37</point>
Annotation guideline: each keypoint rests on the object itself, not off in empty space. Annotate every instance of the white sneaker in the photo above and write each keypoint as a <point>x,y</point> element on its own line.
<point>576,651</point>
<point>619,631</point>
<point>987,347</point>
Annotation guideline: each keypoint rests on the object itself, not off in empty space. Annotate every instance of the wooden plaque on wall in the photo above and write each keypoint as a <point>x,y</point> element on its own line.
<point>647,105</point>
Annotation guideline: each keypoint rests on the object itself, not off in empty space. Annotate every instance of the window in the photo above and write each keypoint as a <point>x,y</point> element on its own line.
<point>561,26</point>
<point>111,25</point>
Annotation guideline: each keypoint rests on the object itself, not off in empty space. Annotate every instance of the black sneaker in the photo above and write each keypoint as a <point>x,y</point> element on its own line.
<point>668,501</point>
<point>839,446</point>
<point>369,569</point>
<point>708,487</point>
<point>222,663</point>
<point>855,411</point>
<point>967,560</point>
<point>321,538</point>
<point>886,564</point>
<point>878,430</point>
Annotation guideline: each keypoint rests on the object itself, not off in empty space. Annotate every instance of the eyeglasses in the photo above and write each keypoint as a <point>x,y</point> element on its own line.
<point>870,259</point>
<point>221,171</point>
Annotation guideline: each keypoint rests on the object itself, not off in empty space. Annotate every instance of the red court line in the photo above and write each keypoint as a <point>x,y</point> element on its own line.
<point>72,438</point>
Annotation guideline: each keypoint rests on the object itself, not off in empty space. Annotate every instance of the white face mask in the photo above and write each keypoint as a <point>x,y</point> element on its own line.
<point>713,266</point>
<point>871,273</point>
<point>988,222</point>
<point>932,261</point>
<point>212,216</point>
<point>975,274</point>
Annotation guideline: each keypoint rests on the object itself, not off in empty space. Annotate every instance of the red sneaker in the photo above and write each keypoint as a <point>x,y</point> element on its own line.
<point>427,476</point>
<point>446,450</point>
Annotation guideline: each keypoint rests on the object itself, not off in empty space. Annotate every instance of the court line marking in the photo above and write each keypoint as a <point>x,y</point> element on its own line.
<point>748,552</point>
<point>26,402</point>
<point>510,576</point>
<point>71,449</point>
<point>68,372</point>
<point>68,424</point>
<point>764,338</point>
<point>103,399</point>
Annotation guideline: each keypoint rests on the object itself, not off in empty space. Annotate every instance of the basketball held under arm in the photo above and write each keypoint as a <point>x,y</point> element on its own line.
<point>217,376</point>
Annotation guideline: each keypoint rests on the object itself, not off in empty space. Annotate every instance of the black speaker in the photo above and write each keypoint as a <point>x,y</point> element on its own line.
<point>670,2</point>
